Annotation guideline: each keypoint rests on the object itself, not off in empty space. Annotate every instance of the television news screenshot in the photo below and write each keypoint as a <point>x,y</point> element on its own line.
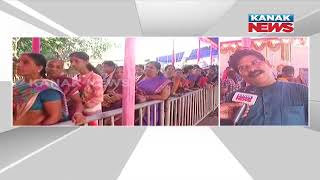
<point>159,89</point>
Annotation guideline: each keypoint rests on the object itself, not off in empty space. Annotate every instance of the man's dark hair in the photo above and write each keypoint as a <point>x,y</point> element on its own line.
<point>235,57</point>
<point>231,74</point>
<point>196,66</point>
<point>288,71</point>
<point>109,63</point>
<point>140,66</point>
<point>187,68</point>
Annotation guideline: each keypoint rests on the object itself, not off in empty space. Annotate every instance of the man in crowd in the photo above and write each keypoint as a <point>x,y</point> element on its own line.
<point>279,70</point>
<point>139,70</point>
<point>278,103</point>
<point>108,69</point>
<point>288,73</point>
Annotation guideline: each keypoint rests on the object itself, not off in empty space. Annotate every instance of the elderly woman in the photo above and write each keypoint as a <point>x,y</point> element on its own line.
<point>113,94</point>
<point>36,100</point>
<point>70,88</point>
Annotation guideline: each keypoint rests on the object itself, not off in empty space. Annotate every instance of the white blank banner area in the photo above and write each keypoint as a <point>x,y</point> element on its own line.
<point>13,27</point>
<point>182,153</point>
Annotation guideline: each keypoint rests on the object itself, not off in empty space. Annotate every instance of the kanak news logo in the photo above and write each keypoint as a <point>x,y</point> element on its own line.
<point>271,23</point>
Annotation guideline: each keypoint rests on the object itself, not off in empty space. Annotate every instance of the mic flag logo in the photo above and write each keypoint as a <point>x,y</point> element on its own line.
<point>271,23</point>
<point>246,98</point>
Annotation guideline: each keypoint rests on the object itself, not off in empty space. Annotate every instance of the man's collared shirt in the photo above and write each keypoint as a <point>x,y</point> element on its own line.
<point>281,103</point>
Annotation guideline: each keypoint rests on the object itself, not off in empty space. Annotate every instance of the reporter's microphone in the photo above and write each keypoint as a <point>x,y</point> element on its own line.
<point>246,99</point>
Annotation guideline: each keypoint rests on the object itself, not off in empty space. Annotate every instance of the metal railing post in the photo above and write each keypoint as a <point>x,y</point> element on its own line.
<point>167,112</point>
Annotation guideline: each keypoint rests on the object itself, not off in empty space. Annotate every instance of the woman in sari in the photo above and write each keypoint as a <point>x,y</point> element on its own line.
<point>70,88</point>
<point>113,95</point>
<point>153,86</point>
<point>170,73</point>
<point>36,100</point>
<point>203,80</point>
<point>192,74</point>
<point>91,90</point>
<point>184,84</point>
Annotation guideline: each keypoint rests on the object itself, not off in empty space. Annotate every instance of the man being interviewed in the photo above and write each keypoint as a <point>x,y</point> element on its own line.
<point>278,103</point>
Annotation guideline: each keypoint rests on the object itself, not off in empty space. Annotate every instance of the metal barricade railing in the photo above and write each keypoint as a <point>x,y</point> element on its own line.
<point>216,95</point>
<point>143,110</point>
<point>190,108</point>
<point>150,113</point>
<point>186,110</point>
<point>104,118</point>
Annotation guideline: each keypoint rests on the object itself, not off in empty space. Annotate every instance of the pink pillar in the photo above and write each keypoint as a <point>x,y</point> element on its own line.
<point>173,54</point>
<point>128,93</point>
<point>36,45</point>
<point>198,54</point>
<point>246,43</point>
<point>211,55</point>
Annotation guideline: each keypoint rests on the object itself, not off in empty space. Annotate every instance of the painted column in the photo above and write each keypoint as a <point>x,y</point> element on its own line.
<point>128,100</point>
<point>36,45</point>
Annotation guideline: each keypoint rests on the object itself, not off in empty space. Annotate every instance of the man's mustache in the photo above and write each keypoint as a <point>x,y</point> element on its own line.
<point>255,73</point>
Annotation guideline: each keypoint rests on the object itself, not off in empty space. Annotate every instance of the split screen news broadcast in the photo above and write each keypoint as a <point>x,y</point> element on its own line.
<point>160,81</point>
<point>159,90</point>
<point>107,81</point>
